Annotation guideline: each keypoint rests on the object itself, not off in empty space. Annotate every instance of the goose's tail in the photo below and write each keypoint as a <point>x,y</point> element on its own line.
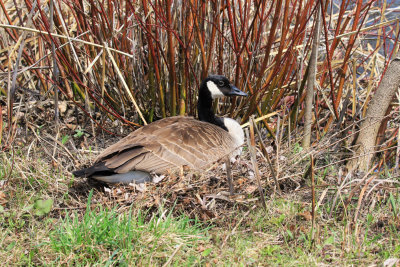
<point>102,173</point>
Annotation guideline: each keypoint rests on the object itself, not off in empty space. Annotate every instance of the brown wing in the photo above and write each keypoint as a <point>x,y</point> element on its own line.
<point>167,144</point>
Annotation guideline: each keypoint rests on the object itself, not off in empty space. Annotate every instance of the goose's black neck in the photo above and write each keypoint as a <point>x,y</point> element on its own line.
<point>204,107</point>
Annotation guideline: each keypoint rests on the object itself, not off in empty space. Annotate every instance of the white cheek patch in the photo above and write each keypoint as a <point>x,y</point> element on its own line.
<point>214,90</point>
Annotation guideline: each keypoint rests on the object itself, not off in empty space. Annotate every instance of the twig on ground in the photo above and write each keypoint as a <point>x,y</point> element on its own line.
<point>172,255</point>
<point>229,174</point>
<point>321,198</point>
<point>268,159</point>
<point>251,144</point>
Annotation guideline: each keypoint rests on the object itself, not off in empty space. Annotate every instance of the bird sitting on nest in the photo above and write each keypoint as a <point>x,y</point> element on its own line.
<point>171,143</point>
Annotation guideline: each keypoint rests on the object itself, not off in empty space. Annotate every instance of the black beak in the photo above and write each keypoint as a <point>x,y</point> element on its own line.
<point>235,91</point>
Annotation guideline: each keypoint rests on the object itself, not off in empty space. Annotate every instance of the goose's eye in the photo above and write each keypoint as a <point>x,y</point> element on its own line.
<point>221,83</point>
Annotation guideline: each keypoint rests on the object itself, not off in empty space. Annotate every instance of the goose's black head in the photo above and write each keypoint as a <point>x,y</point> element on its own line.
<point>214,86</point>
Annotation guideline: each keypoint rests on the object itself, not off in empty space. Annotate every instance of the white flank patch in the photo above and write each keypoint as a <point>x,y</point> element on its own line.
<point>214,90</point>
<point>234,130</point>
<point>237,133</point>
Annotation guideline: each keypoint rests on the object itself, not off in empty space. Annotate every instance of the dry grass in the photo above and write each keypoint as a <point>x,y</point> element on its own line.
<point>223,229</point>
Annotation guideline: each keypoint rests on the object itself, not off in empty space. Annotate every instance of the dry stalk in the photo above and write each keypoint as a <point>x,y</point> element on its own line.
<point>40,140</point>
<point>398,140</point>
<point>103,74</point>
<point>172,255</point>
<point>55,139</point>
<point>340,188</point>
<point>311,81</point>
<point>90,66</point>
<point>251,145</point>
<point>55,70</point>
<point>63,37</point>
<point>361,196</point>
<point>268,159</point>
<point>354,103</point>
<point>229,175</point>
<point>12,89</point>
<point>321,198</point>
<point>260,119</point>
<point>253,155</point>
<point>379,25</point>
<point>313,202</point>
<point>124,83</point>
<point>277,141</point>
<point>1,124</point>
<point>353,191</point>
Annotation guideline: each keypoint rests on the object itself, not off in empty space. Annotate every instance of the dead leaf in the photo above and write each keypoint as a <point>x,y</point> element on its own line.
<point>157,200</point>
<point>71,126</point>
<point>250,189</point>
<point>54,164</point>
<point>139,187</point>
<point>204,216</point>
<point>69,119</point>
<point>158,178</point>
<point>251,175</point>
<point>62,106</point>
<point>240,181</point>
<point>200,248</point>
<point>3,199</point>
<point>306,215</point>
<point>391,262</point>
<point>19,115</point>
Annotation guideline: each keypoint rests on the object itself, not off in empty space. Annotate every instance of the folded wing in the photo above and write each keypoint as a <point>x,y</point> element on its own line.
<point>167,144</point>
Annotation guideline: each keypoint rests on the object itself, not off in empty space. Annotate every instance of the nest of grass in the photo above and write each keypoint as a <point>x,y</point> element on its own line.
<point>202,195</point>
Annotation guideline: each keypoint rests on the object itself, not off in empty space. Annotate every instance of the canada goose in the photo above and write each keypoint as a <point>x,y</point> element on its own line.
<point>172,142</point>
